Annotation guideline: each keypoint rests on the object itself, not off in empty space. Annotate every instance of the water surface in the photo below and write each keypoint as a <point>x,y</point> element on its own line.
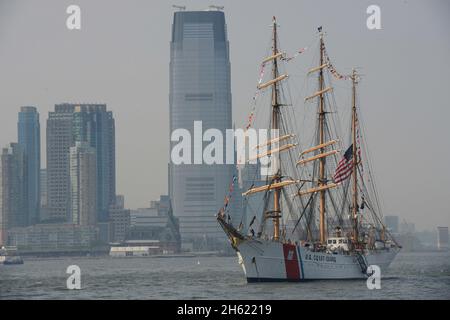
<point>411,276</point>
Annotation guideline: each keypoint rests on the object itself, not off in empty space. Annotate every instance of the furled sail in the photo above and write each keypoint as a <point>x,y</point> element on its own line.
<point>280,149</point>
<point>276,185</point>
<point>318,93</point>
<point>317,68</point>
<point>323,145</point>
<point>273,81</point>
<point>273,57</point>
<point>317,189</point>
<point>319,156</point>
<point>279,139</point>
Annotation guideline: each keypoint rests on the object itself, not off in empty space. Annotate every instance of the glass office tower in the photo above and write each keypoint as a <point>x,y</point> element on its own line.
<point>13,191</point>
<point>29,136</point>
<point>200,90</point>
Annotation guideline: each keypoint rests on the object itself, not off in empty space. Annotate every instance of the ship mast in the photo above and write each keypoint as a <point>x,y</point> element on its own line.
<point>355,160</point>
<point>322,180</point>
<point>275,127</point>
<point>276,182</point>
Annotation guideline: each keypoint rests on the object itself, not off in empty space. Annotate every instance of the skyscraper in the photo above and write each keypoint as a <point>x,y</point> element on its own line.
<point>70,123</point>
<point>13,191</point>
<point>93,124</point>
<point>29,138</point>
<point>200,90</point>
<point>59,141</point>
<point>83,184</point>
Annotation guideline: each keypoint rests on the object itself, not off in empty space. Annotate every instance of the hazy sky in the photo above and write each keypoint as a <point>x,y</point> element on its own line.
<point>121,57</point>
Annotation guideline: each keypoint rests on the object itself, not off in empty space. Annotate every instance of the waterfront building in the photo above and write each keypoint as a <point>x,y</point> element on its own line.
<point>29,138</point>
<point>53,238</point>
<point>59,140</point>
<point>13,191</point>
<point>120,218</point>
<point>156,223</point>
<point>105,232</point>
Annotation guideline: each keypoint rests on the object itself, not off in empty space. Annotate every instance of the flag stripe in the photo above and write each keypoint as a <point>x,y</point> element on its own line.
<point>344,168</point>
<point>343,173</point>
<point>342,177</point>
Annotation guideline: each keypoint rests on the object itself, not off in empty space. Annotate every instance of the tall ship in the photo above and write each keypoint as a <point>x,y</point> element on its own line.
<point>319,214</point>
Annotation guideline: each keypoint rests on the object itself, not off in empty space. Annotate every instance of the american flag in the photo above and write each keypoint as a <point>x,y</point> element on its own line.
<point>344,168</point>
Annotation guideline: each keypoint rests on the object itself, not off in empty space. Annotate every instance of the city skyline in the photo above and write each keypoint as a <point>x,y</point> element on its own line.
<point>78,189</point>
<point>383,51</point>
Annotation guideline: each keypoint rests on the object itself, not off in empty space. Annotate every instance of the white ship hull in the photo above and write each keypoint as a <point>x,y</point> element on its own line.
<point>264,261</point>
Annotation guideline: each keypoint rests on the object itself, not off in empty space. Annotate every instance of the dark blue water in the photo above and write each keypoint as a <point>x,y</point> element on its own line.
<point>411,276</point>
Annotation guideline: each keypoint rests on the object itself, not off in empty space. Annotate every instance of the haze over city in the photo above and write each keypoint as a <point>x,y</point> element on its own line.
<point>121,57</point>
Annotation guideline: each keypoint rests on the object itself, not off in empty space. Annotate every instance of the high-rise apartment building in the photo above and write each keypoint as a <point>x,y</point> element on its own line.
<point>200,90</point>
<point>59,141</point>
<point>29,138</point>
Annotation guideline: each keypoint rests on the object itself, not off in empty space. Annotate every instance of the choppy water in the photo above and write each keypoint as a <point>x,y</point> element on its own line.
<point>411,276</point>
